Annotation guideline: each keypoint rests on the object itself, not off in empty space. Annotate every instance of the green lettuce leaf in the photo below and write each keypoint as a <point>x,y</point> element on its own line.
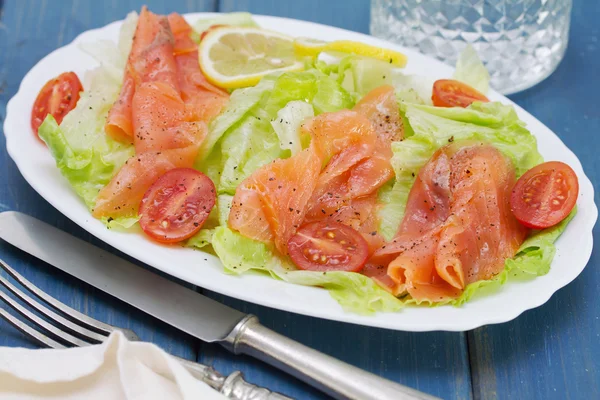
<point>201,239</point>
<point>88,169</point>
<point>84,154</point>
<point>311,86</point>
<point>223,207</point>
<point>240,104</point>
<point>234,19</point>
<point>537,251</point>
<point>434,127</point>
<point>243,137</point>
<point>360,75</point>
<point>287,125</point>
<point>354,292</point>
<point>470,70</point>
<point>391,197</point>
<point>120,223</point>
<point>533,259</point>
<point>245,149</point>
<point>494,123</point>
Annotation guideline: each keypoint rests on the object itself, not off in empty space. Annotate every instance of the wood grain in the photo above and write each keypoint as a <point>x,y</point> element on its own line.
<point>436,363</point>
<point>433,362</point>
<point>349,14</point>
<point>30,29</point>
<point>552,352</point>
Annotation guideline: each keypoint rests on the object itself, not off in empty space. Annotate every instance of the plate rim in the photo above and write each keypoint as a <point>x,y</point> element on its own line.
<point>534,301</point>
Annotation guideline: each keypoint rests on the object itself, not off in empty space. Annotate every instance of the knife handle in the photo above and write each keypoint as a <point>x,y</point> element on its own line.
<point>336,378</point>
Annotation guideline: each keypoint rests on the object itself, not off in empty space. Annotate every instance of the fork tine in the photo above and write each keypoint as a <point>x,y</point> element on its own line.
<point>89,323</point>
<point>64,336</point>
<point>57,319</point>
<point>28,330</point>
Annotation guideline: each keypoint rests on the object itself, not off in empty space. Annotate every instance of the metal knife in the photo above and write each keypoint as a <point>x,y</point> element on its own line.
<point>197,315</point>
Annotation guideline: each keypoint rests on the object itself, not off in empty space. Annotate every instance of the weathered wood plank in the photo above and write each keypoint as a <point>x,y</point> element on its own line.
<point>29,29</point>
<point>552,352</point>
<point>349,14</point>
<point>433,362</point>
<point>436,363</point>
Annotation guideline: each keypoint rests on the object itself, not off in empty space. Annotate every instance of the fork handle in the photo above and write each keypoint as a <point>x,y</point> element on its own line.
<point>236,388</point>
<point>334,377</point>
<point>233,386</point>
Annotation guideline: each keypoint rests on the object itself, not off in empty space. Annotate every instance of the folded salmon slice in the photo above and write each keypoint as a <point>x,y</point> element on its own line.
<point>380,106</point>
<point>122,196</point>
<point>346,189</point>
<point>204,100</point>
<point>458,227</point>
<point>335,179</point>
<point>150,60</point>
<point>271,203</point>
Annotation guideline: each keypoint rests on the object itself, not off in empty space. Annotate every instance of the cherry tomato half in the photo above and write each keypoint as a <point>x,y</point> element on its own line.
<point>176,205</point>
<point>545,195</point>
<point>452,93</point>
<point>328,246</point>
<point>58,96</point>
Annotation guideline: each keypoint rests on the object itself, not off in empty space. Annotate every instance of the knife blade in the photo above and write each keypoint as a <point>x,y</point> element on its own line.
<point>195,314</point>
<point>181,307</point>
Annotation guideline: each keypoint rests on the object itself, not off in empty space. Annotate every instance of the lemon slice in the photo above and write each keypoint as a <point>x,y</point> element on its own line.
<point>312,47</point>
<point>233,56</point>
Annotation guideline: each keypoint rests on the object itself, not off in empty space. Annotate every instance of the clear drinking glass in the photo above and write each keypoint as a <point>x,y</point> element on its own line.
<point>520,41</point>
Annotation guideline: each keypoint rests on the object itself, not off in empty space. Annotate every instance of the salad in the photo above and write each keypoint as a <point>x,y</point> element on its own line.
<point>318,163</point>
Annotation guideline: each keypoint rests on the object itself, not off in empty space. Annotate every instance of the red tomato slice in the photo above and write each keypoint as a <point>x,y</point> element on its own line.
<point>57,97</point>
<point>545,195</point>
<point>176,205</point>
<point>452,93</point>
<point>328,246</point>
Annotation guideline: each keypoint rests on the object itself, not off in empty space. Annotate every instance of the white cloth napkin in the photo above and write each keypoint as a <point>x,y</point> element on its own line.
<point>116,369</point>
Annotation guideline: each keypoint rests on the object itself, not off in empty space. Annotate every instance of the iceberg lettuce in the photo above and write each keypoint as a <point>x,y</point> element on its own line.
<point>470,70</point>
<point>354,292</point>
<point>493,123</point>
<point>533,259</point>
<point>243,137</point>
<point>87,169</point>
<point>234,19</point>
<point>85,155</point>
<point>434,127</point>
<point>245,149</point>
<point>287,124</point>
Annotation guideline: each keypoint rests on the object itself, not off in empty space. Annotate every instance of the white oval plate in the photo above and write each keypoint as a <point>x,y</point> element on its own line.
<point>37,166</point>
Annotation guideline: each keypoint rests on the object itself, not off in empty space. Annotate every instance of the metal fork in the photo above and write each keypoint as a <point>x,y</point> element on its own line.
<point>74,329</point>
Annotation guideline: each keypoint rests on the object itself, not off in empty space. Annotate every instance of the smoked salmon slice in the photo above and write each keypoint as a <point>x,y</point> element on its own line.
<point>204,100</point>
<point>346,189</point>
<point>150,60</point>
<point>458,227</point>
<point>160,119</point>
<point>271,203</point>
<point>335,179</point>
<point>380,106</point>
<point>165,108</point>
<point>123,194</point>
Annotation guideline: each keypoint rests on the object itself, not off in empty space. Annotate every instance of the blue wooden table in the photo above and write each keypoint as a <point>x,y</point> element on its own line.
<point>552,352</point>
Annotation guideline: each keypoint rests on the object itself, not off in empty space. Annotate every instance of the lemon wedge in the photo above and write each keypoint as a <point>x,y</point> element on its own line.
<point>312,47</point>
<point>233,56</point>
